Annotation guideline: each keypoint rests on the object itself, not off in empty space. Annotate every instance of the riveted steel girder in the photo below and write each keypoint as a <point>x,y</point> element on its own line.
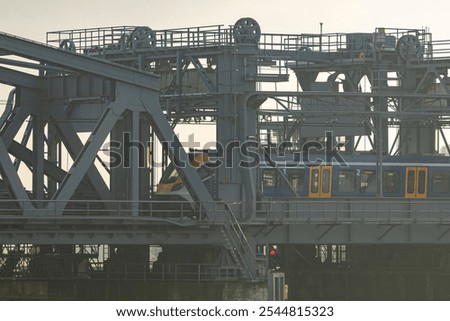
<point>17,78</point>
<point>73,61</point>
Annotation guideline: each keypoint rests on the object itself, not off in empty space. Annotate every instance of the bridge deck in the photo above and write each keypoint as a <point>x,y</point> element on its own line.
<point>284,220</point>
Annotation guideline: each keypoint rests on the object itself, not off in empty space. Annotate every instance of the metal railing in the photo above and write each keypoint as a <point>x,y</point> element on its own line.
<point>440,49</point>
<point>168,272</point>
<point>241,249</point>
<point>388,210</point>
<point>338,209</point>
<point>97,208</point>
<point>194,38</point>
<point>130,272</point>
<point>98,41</point>
<point>89,41</point>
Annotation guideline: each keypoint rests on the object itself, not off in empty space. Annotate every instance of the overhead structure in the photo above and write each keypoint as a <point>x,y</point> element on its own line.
<point>101,111</point>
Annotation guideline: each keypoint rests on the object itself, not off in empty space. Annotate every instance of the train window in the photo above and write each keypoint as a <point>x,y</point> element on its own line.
<point>390,181</point>
<point>368,181</point>
<point>440,182</point>
<point>269,178</point>
<point>421,182</point>
<point>346,181</point>
<point>410,182</point>
<point>296,179</point>
<point>315,180</point>
<point>326,180</point>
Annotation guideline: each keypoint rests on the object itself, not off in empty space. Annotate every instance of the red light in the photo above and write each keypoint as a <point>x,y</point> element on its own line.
<point>272,252</point>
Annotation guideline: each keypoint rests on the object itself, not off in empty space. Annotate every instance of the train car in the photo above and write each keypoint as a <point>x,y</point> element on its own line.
<point>401,176</point>
<point>414,177</point>
<point>171,186</point>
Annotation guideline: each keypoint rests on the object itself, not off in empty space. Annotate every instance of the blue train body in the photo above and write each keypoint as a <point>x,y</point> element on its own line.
<point>357,176</point>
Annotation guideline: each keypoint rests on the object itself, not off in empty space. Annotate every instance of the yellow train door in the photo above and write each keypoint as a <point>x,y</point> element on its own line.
<point>416,182</point>
<point>320,178</point>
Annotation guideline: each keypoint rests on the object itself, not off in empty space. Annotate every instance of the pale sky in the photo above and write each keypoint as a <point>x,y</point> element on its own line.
<point>33,18</point>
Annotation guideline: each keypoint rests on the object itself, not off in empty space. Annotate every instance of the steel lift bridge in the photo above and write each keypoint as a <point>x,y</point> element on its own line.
<point>91,91</point>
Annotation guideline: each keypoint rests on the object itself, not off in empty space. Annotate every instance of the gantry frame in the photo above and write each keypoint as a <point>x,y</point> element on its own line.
<point>109,74</point>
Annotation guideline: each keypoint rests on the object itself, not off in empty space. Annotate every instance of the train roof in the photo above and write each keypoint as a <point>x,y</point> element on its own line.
<point>335,158</point>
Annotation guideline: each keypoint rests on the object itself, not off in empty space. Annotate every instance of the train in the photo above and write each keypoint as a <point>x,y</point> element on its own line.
<point>171,186</point>
<point>361,176</point>
<point>321,176</point>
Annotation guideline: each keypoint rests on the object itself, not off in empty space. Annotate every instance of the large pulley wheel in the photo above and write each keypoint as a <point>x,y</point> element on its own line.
<point>142,38</point>
<point>68,44</point>
<point>409,48</point>
<point>246,30</point>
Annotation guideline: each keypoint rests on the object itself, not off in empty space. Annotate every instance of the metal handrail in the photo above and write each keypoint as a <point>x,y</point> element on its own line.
<point>108,38</point>
<point>283,210</point>
<point>241,246</point>
<point>190,272</point>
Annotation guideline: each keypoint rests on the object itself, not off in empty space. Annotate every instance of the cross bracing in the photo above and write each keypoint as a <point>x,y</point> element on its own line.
<point>105,82</point>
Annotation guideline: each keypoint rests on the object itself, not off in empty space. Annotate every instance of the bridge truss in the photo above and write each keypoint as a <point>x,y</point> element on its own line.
<point>91,91</point>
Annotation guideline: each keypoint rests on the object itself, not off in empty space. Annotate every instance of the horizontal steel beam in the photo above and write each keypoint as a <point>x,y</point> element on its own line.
<point>17,78</point>
<point>144,232</point>
<point>390,93</point>
<point>31,65</point>
<point>124,234</point>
